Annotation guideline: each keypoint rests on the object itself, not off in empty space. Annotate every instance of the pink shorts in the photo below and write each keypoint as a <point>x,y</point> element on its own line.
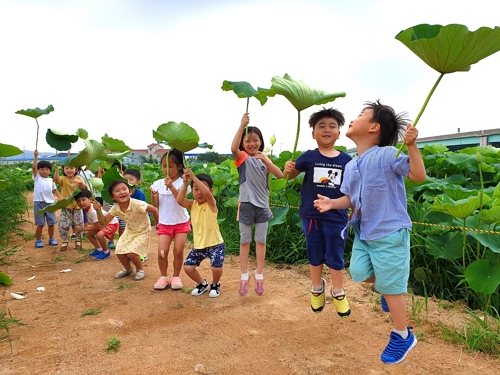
<point>172,230</point>
<point>110,230</point>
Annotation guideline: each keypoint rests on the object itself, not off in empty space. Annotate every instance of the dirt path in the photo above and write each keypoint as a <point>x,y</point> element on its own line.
<point>172,332</point>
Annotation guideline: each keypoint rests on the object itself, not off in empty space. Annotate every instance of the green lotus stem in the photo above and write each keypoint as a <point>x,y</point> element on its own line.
<point>37,131</point>
<point>422,110</point>
<point>246,128</point>
<point>295,145</point>
<point>89,185</point>
<point>69,216</point>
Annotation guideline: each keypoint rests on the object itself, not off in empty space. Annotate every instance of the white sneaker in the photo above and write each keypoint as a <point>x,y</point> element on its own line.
<point>200,289</point>
<point>214,290</point>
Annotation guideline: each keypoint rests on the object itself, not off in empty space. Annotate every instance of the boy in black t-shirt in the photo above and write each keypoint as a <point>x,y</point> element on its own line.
<point>324,169</point>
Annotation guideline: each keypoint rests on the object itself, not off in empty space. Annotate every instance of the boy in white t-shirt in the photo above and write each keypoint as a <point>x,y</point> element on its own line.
<point>44,191</point>
<point>97,233</point>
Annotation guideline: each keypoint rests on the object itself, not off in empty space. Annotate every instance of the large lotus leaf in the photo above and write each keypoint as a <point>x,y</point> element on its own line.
<point>279,215</point>
<point>114,145</point>
<point>178,135</point>
<point>299,94</point>
<point>9,150</point>
<point>59,205</point>
<point>489,240</point>
<point>447,245</point>
<point>110,175</point>
<point>277,184</point>
<point>483,276</point>
<point>456,192</point>
<point>450,48</point>
<point>82,133</point>
<point>462,208</point>
<point>436,148</point>
<point>490,216</point>
<point>35,113</point>
<point>59,140</point>
<point>91,152</point>
<point>242,89</point>
<point>109,159</point>
<point>5,279</point>
<point>96,183</point>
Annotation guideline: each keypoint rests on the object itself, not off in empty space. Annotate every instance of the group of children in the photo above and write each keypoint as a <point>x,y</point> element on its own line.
<point>366,193</point>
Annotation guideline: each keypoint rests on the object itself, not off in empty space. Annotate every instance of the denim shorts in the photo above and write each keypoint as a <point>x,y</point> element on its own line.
<point>50,217</point>
<point>386,258</point>
<point>214,253</point>
<point>324,244</point>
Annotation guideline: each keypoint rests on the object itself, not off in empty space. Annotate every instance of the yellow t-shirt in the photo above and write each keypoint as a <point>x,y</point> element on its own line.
<point>206,231</point>
<point>68,187</point>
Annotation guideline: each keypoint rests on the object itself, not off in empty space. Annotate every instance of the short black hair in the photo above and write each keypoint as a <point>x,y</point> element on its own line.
<point>84,193</point>
<point>252,129</point>
<point>44,164</point>
<point>203,177</point>
<point>121,167</point>
<point>392,124</point>
<point>326,113</point>
<point>113,184</point>
<point>133,172</point>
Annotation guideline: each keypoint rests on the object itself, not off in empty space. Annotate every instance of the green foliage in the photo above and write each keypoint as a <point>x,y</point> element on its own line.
<point>245,90</point>
<point>90,312</point>
<point>178,135</point>
<point>211,157</point>
<point>60,140</point>
<point>35,113</point>
<point>6,322</point>
<point>112,345</point>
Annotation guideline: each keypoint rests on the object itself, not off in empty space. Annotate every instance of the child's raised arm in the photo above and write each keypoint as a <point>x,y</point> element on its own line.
<point>235,146</point>
<point>207,193</point>
<point>181,197</point>
<point>417,167</point>
<point>55,178</point>
<point>35,162</point>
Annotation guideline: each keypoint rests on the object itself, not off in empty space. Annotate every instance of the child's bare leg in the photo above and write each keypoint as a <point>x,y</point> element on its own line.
<point>179,243</point>
<point>397,307</point>
<point>39,230</point>
<point>216,275</point>
<point>103,240</point>
<point>124,260</point>
<point>244,253</point>
<point>163,248</point>
<point>193,273</point>
<point>316,273</point>
<point>337,280</point>
<point>93,239</point>
<point>51,231</point>
<point>260,252</point>
<point>136,259</point>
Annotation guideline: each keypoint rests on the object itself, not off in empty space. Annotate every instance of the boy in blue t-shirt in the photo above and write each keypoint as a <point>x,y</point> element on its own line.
<point>374,187</point>
<point>324,169</point>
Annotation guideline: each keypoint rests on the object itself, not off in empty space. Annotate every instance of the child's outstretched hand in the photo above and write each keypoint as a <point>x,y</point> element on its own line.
<point>411,135</point>
<point>154,194</point>
<point>245,120</point>
<point>323,203</point>
<point>188,175</point>
<point>96,205</point>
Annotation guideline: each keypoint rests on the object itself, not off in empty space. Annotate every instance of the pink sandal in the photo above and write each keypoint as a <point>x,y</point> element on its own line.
<point>243,287</point>
<point>162,283</point>
<point>259,286</point>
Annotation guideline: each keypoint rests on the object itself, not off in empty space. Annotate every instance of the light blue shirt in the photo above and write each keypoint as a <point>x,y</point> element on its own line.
<point>374,182</point>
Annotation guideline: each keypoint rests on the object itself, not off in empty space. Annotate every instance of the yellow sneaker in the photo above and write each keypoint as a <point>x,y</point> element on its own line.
<point>318,299</point>
<point>341,304</point>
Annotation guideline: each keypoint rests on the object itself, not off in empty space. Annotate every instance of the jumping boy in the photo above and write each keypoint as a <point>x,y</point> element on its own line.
<point>97,233</point>
<point>324,169</point>
<point>208,242</point>
<point>374,187</point>
<point>44,191</point>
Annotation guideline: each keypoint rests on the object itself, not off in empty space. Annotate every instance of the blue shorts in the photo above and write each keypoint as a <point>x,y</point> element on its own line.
<point>324,244</point>
<point>386,258</point>
<point>50,217</point>
<point>215,253</point>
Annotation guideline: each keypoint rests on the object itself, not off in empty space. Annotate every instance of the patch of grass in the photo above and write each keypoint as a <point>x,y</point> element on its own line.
<point>59,258</point>
<point>112,345</point>
<point>82,259</point>
<point>481,334</point>
<point>6,322</point>
<point>187,290</point>
<point>90,312</point>
<point>29,258</point>
<point>125,286</point>
<point>27,236</point>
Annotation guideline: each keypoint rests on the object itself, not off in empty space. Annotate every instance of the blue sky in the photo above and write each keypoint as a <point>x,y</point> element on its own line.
<point>125,67</point>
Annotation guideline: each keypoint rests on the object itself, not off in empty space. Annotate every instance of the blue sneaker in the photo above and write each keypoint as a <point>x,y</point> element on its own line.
<point>95,253</point>
<point>398,348</point>
<point>38,244</point>
<point>111,245</point>
<point>103,255</point>
<point>53,242</point>
<point>383,304</point>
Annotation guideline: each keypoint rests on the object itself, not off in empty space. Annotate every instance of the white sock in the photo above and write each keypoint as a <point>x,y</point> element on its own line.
<point>99,249</point>
<point>164,277</point>
<point>403,334</point>
<point>259,276</point>
<point>245,276</point>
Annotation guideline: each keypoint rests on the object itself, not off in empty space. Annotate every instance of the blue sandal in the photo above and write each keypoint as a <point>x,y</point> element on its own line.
<point>38,244</point>
<point>53,242</point>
